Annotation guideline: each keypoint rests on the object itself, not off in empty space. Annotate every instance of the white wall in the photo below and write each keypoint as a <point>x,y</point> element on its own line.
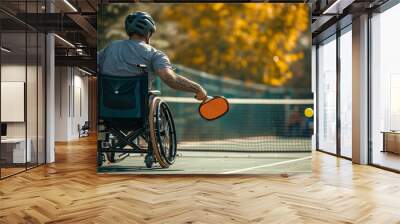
<point>14,72</point>
<point>61,103</point>
<point>80,105</point>
<point>71,93</point>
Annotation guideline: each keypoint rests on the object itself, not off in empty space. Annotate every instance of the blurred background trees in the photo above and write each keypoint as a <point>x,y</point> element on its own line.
<point>252,42</point>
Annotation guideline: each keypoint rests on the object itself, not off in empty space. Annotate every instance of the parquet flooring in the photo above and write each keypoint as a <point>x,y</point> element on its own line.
<point>70,191</point>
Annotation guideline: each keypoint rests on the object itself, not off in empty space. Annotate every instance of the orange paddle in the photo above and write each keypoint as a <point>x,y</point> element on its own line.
<point>213,108</point>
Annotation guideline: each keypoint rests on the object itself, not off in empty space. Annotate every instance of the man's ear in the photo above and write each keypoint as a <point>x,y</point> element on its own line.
<point>148,38</point>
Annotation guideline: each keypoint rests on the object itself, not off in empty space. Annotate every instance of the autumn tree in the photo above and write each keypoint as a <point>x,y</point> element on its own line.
<point>254,42</point>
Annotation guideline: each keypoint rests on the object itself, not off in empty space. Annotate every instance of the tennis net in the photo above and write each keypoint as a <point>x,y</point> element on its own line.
<point>251,125</point>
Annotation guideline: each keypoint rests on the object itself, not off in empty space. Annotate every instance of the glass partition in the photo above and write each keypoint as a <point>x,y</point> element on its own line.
<point>385,89</point>
<point>346,93</point>
<point>327,95</point>
<point>13,115</point>
<point>22,89</point>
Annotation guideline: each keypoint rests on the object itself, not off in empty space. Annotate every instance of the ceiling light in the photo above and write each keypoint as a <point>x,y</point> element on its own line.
<point>70,5</point>
<point>79,51</point>
<point>337,7</point>
<point>84,71</point>
<point>65,41</point>
<point>5,50</point>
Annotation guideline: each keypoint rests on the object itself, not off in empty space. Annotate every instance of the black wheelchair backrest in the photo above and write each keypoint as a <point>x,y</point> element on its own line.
<point>123,97</point>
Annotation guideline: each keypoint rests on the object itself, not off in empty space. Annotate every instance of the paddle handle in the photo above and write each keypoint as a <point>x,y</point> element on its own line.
<point>207,99</point>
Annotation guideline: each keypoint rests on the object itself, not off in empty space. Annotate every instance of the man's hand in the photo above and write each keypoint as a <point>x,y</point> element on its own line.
<point>201,95</point>
<point>178,82</point>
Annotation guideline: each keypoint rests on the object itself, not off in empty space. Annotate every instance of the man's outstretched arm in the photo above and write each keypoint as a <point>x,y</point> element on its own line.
<point>175,81</point>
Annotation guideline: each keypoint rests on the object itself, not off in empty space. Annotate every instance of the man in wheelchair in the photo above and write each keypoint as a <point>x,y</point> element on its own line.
<point>129,113</point>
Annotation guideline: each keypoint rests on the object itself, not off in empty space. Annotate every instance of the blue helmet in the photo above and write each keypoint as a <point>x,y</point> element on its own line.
<point>140,23</point>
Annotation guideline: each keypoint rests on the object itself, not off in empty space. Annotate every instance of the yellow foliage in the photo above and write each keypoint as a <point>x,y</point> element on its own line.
<point>238,40</point>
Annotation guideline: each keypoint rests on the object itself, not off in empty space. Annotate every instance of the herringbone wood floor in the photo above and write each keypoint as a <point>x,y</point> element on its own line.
<point>70,191</point>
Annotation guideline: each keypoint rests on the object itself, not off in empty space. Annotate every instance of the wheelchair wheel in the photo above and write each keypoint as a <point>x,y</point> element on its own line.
<point>111,156</point>
<point>149,160</point>
<point>100,156</point>
<point>100,159</point>
<point>162,133</point>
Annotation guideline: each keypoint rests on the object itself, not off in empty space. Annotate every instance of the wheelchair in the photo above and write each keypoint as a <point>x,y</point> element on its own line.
<point>132,119</point>
<point>83,130</point>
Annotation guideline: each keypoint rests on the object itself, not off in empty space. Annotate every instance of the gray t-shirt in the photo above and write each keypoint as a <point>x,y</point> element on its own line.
<point>120,58</point>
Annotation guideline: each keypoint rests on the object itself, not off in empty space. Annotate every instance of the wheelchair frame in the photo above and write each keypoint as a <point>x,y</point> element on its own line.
<point>114,136</point>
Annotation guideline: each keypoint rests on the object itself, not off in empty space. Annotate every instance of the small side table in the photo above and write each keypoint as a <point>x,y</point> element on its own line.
<point>391,141</point>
